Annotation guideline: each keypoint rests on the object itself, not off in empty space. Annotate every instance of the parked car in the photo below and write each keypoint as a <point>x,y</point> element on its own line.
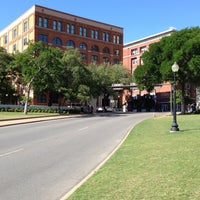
<point>99,109</point>
<point>105,109</point>
<point>108,109</point>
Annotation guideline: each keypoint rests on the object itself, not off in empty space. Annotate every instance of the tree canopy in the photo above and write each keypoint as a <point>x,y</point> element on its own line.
<point>75,76</point>
<point>6,88</point>
<point>103,76</point>
<point>182,47</point>
<point>47,69</point>
<point>39,67</point>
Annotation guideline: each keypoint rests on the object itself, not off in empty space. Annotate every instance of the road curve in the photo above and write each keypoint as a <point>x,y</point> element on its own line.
<point>46,160</point>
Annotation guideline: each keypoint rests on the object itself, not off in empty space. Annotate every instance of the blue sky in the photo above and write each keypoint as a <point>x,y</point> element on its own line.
<point>138,18</point>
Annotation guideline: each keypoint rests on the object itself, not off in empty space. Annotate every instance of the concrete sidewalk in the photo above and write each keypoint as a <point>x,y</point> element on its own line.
<point>10,122</point>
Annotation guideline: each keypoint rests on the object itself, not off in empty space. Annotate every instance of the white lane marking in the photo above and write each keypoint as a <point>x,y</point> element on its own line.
<point>83,128</point>
<point>11,152</point>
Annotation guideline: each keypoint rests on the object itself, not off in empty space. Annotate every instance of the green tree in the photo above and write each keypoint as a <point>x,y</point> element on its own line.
<point>40,67</point>
<point>6,87</point>
<point>148,74</point>
<point>183,47</point>
<point>75,76</point>
<point>103,76</point>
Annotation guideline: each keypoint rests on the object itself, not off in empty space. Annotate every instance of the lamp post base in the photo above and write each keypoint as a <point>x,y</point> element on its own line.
<point>174,127</point>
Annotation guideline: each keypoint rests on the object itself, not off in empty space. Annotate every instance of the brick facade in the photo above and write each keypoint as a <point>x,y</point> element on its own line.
<point>98,42</point>
<point>132,53</point>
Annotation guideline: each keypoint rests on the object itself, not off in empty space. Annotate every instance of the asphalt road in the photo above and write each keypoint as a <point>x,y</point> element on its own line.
<point>45,160</point>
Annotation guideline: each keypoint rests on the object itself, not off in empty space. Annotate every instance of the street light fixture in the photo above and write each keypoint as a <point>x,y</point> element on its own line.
<point>174,127</point>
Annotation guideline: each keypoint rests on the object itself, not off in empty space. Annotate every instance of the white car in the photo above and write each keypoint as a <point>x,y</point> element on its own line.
<point>99,109</point>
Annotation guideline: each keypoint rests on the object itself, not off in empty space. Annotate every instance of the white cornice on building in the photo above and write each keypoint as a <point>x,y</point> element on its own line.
<point>56,13</point>
<point>17,21</point>
<point>78,19</point>
<point>150,38</point>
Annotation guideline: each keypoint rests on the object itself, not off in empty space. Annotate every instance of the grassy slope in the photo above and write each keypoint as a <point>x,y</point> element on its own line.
<point>151,164</point>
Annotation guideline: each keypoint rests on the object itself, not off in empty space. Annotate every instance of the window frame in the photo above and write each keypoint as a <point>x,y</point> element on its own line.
<point>25,26</point>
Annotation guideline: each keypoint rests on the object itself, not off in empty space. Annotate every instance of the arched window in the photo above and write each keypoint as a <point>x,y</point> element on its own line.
<point>82,46</point>
<point>57,41</point>
<point>95,48</point>
<point>70,43</point>
<point>106,50</point>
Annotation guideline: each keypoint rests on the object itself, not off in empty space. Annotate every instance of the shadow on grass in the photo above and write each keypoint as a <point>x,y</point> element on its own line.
<point>189,129</point>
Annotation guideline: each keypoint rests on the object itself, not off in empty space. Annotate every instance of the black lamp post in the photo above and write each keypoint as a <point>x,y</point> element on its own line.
<point>174,127</point>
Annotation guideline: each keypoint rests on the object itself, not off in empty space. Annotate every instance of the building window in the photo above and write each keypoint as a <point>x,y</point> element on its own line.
<point>116,61</point>
<point>92,34</point>
<point>143,49</point>
<point>15,33</point>
<point>72,29</point>
<point>106,50</point>
<point>40,22</point>
<point>54,25</point>
<point>45,23</point>
<point>81,31</point>
<point>116,52</point>
<point>85,32</point>
<point>6,39</point>
<point>43,38</point>
<point>25,26</point>
<point>68,28</point>
<point>60,26</point>
<point>82,46</point>
<point>95,58</point>
<point>106,60</point>
<point>106,37</point>
<point>70,43</point>
<point>57,41</point>
<point>134,61</point>
<point>14,47</point>
<point>95,48</point>
<point>114,39</point>
<point>83,55</point>
<point>25,41</point>
<point>118,40</point>
<point>96,35</point>
<point>134,52</point>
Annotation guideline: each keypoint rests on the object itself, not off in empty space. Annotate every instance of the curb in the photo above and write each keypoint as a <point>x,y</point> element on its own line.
<point>79,184</point>
<point>18,121</point>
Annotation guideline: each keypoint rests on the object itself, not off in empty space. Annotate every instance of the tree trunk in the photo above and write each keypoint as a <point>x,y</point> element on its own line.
<point>27,96</point>
<point>26,102</point>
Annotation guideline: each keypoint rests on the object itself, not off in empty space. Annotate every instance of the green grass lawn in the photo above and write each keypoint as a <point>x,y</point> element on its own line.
<point>151,164</point>
<point>13,115</point>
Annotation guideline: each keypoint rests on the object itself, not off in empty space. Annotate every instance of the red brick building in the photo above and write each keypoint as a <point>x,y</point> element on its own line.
<point>132,53</point>
<point>98,42</point>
